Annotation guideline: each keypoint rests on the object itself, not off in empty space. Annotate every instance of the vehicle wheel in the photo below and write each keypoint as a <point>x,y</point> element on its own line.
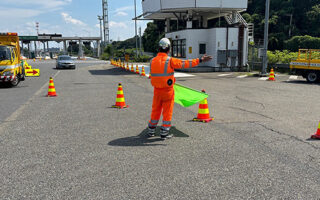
<point>312,77</point>
<point>23,75</point>
<point>15,82</point>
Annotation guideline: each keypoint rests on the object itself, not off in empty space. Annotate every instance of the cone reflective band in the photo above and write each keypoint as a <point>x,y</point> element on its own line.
<point>271,76</point>
<point>51,89</point>
<point>137,70</point>
<point>317,134</point>
<point>203,112</point>
<point>120,102</point>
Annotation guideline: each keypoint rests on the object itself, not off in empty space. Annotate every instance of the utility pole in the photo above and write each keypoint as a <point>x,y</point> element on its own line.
<point>140,41</point>
<point>100,22</point>
<point>266,35</point>
<point>105,21</point>
<point>135,21</point>
<point>35,45</point>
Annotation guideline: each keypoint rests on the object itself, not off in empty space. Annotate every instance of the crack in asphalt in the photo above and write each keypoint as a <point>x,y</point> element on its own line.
<point>287,135</point>
<point>265,116</point>
<point>246,100</point>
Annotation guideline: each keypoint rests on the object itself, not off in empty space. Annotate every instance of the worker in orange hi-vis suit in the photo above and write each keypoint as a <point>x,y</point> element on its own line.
<point>162,79</point>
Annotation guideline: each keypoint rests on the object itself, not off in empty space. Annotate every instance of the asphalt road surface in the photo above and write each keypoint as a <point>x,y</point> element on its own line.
<point>75,146</point>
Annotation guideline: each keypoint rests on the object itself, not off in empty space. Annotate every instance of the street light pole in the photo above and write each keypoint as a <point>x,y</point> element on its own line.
<point>135,21</point>
<point>266,35</point>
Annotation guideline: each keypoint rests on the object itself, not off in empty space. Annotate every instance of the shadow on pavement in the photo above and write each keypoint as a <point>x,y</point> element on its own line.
<point>113,71</point>
<point>143,140</point>
<point>302,82</point>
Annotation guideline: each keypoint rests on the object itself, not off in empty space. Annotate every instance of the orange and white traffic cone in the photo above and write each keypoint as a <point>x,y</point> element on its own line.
<point>203,112</point>
<point>143,73</point>
<point>271,76</point>
<point>317,134</point>
<point>132,69</point>
<point>51,89</point>
<point>120,102</point>
<point>137,70</point>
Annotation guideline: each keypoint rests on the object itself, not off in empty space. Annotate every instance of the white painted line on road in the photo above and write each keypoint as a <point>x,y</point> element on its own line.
<point>263,78</point>
<point>181,75</point>
<point>291,78</point>
<point>222,75</point>
<point>20,110</point>
<point>242,76</point>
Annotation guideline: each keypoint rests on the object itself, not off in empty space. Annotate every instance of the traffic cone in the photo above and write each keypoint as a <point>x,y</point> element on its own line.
<point>203,112</point>
<point>127,67</point>
<point>132,69</point>
<point>137,70</point>
<point>51,89</point>
<point>120,102</point>
<point>271,76</point>
<point>317,134</point>
<point>143,73</point>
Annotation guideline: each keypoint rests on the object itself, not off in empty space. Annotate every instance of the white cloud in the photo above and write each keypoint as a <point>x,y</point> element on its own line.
<point>17,13</point>
<point>68,19</point>
<point>121,13</point>
<point>44,4</point>
<point>126,8</point>
<point>97,25</point>
<point>114,24</point>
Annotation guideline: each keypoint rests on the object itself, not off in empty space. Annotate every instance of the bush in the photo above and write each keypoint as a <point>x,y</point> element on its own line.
<point>143,58</point>
<point>302,42</point>
<point>281,57</point>
<point>105,56</point>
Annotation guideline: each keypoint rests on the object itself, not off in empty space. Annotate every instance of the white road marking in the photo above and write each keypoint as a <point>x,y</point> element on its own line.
<point>293,77</point>
<point>20,110</point>
<point>263,78</point>
<point>242,76</point>
<point>222,75</point>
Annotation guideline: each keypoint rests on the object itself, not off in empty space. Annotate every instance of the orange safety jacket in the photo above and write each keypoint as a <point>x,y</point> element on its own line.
<point>162,69</point>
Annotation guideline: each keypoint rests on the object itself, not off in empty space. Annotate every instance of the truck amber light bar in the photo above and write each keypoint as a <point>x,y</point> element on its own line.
<point>13,34</point>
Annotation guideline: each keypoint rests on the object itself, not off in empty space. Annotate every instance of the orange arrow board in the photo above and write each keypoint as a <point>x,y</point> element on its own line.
<point>32,72</point>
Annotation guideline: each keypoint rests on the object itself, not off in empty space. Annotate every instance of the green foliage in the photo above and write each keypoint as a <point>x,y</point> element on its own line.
<point>152,35</point>
<point>281,57</point>
<point>143,58</point>
<point>302,42</point>
<point>305,20</point>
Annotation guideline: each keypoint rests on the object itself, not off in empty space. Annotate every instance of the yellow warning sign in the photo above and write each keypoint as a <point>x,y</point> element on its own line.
<point>32,72</point>
<point>190,50</point>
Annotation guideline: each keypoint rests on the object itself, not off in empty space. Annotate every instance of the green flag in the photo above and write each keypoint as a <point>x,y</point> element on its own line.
<point>186,96</point>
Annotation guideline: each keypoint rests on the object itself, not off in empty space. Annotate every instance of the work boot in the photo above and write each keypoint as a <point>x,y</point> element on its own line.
<point>164,134</point>
<point>151,132</point>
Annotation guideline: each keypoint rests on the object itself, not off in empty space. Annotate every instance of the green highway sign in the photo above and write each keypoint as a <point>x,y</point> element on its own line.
<point>28,37</point>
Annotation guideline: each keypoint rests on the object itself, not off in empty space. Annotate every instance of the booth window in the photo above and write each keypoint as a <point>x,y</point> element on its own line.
<point>179,48</point>
<point>202,48</point>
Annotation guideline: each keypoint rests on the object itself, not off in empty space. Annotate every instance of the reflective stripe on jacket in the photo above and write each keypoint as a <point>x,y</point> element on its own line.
<point>162,69</point>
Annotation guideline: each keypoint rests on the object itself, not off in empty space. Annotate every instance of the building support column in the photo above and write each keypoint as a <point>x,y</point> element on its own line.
<point>65,47</point>
<point>80,49</point>
<point>98,49</point>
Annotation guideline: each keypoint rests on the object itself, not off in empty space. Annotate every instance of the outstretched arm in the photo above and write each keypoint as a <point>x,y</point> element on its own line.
<point>182,64</point>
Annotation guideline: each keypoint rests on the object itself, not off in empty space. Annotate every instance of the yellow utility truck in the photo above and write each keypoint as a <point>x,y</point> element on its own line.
<point>11,69</point>
<point>307,65</point>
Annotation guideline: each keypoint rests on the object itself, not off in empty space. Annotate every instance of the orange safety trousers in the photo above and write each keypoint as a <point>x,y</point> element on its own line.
<point>163,102</point>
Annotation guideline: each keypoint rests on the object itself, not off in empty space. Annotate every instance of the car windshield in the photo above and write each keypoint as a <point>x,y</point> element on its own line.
<point>5,53</point>
<point>65,58</point>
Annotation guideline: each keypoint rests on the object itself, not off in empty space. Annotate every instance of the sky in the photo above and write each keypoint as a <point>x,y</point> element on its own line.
<point>69,17</point>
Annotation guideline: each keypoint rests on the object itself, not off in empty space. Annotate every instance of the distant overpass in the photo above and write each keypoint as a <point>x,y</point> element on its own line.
<point>46,38</point>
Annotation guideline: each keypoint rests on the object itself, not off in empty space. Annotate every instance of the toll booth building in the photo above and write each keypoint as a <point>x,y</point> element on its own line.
<point>198,27</point>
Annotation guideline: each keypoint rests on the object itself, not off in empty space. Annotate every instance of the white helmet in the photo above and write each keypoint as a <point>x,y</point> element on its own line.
<point>164,43</point>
